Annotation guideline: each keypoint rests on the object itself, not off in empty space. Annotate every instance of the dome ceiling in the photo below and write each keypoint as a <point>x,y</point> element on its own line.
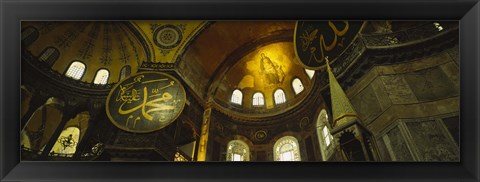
<point>219,45</point>
<point>97,44</point>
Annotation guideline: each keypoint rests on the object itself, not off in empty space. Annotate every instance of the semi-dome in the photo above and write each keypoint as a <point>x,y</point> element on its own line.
<point>265,80</point>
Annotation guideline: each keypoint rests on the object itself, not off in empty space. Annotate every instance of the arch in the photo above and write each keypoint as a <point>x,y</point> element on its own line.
<point>76,127</point>
<point>286,149</point>
<point>125,72</point>
<point>310,73</point>
<point>325,138</point>
<point>76,70</point>
<point>101,77</point>
<point>42,124</point>
<point>237,97</point>
<point>29,35</point>
<point>351,147</point>
<point>297,86</point>
<point>279,96</point>
<point>238,150</point>
<point>49,55</point>
<point>67,142</point>
<point>258,99</point>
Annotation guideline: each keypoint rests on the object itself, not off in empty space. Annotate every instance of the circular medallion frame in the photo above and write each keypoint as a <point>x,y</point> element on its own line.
<point>167,36</point>
<point>145,102</point>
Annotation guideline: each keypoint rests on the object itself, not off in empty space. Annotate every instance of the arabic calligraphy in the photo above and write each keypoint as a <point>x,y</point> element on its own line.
<point>145,102</point>
<point>319,39</point>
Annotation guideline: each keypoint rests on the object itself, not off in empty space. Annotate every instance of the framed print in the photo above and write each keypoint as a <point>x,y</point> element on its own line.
<point>239,91</point>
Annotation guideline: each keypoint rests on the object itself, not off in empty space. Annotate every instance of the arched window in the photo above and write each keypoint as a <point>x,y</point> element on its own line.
<point>66,144</point>
<point>279,96</point>
<point>438,26</point>
<point>126,71</point>
<point>101,77</point>
<point>49,55</point>
<point>237,97</point>
<point>29,35</point>
<point>41,125</point>
<point>324,136</point>
<point>238,151</point>
<point>286,149</point>
<point>258,99</point>
<point>297,85</point>
<point>76,70</point>
<point>310,73</point>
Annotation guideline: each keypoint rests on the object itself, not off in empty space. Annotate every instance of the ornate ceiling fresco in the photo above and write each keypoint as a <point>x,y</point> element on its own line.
<point>264,70</point>
<point>166,40</point>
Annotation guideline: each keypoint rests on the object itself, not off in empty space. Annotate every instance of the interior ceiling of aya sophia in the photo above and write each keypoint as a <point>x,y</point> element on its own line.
<point>384,73</point>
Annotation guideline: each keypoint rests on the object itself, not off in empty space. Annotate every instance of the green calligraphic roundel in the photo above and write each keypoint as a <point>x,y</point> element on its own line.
<point>315,40</point>
<point>145,102</point>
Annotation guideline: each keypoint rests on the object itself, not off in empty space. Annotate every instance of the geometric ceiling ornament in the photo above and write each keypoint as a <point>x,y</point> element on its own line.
<point>145,102</point>
<point>167,36</point>
<point>315,40</point>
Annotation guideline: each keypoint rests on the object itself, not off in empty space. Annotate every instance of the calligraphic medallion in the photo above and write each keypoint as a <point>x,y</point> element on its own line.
<point>315,40</point>
<point>145,102</point>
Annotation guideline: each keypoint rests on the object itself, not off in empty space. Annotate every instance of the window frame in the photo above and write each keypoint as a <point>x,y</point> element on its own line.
<point>96,74</point>
<point>263,99</point>
<point>68,67</point>
<point>277,153</point>
<point>275,98</point>
<point>241,97</point>
<point>293,86</point>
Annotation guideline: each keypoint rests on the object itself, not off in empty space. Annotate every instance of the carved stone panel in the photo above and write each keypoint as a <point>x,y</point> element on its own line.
<point>367,105</point>
<point>381,92</point>
<point>398,89</point>
<point>383,151</point>
<point>431,142</point>
<point>398,145</point>
<point>430,84</point>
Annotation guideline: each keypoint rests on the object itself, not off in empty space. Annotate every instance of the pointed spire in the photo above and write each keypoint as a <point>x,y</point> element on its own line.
<point>342,110</point>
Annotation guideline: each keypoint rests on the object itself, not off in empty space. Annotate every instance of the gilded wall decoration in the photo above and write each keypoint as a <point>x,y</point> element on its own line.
<point>167,36</point>
<point>304,123</point>
<point>106,58</point>
<point>65,40</point>
<point>145,102</point>
<point>260,135</point>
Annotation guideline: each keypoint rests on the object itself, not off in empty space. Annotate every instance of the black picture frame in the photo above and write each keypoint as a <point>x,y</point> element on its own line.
<point>12,12</point>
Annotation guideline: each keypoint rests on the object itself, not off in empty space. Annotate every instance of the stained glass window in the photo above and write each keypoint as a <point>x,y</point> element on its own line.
<point>287,149</point>
<point>238,151</point>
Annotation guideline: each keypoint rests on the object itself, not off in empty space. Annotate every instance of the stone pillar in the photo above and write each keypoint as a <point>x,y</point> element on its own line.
<point>202,145</point>
<point>32,105</point>
<point>82,144</point>
<point>26,97</point>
